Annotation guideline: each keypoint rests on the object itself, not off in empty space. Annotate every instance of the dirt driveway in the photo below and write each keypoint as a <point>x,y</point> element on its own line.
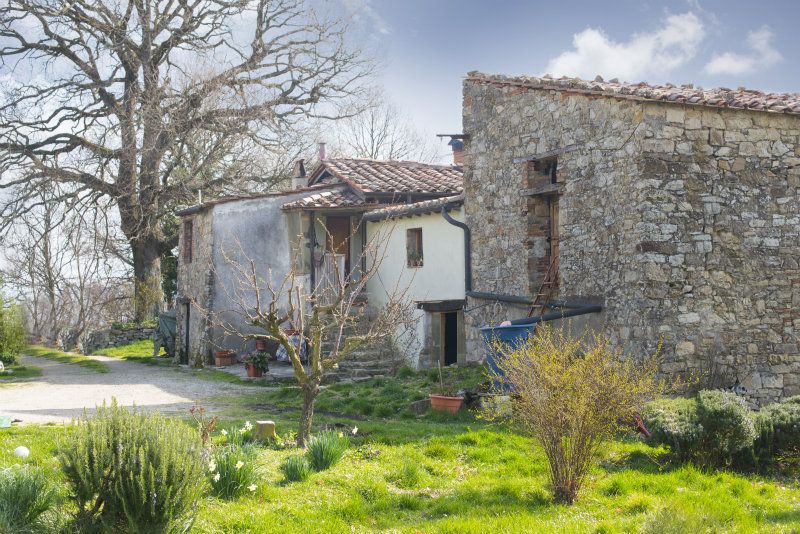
<point>63,390</point>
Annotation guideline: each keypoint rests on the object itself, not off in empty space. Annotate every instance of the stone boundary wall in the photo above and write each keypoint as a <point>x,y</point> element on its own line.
<point>112,337</point>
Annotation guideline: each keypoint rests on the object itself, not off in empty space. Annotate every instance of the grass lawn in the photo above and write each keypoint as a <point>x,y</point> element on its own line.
<point>66,357</point>
<point>441,474</point>
<point>138,351</point>
<point>142,352</point>
<point>15,373</point>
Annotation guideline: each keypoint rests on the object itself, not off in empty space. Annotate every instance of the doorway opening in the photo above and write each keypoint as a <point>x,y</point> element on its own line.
<point>185,351</point>
<point>449,338</point>
<point>337,240</point>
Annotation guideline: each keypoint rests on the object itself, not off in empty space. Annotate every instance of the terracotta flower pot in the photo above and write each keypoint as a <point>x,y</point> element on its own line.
<point>224,357</point>
<point>443,403</point>
<point>253,371</point>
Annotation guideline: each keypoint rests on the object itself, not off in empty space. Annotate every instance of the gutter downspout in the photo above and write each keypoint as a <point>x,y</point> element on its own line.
<point>467,248</point>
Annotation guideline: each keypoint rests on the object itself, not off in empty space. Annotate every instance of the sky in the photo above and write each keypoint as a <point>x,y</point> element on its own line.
<point>426,47</point>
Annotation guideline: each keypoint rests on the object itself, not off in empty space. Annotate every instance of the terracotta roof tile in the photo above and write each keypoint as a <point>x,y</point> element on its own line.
<point>331,199</point>
<point>415,208</point>
<point>683,94</point>
<point>372,176</point>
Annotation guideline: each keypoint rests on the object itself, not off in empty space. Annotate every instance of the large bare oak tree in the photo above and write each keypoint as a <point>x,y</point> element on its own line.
<point>110,99</point>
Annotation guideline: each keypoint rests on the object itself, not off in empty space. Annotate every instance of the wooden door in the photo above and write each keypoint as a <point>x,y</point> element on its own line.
<point>338,238</point>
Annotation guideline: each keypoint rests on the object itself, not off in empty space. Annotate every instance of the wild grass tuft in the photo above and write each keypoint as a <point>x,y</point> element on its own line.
<point>326,449</point>
<point>296,468</point>
<point>26,497</point>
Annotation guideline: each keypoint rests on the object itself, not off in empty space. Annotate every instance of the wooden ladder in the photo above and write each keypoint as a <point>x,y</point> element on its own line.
<point>546,289</point>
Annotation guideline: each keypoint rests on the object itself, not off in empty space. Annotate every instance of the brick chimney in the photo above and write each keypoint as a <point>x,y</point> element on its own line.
<point>299,178</point>
<point>458,151</point>
<point>457,144</point>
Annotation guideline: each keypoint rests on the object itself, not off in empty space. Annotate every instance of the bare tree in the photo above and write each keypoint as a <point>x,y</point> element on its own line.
<point>382,131</point>
<point>110,99</point>
<point>326,324</point>
<point>57,262</point>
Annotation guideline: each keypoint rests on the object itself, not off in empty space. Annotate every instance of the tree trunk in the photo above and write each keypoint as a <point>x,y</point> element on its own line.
<point>310,392</point>
<point>148,296</point>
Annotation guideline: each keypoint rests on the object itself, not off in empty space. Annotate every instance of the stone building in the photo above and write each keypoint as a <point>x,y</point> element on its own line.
<point>676,209</point>
<point>314,230</point>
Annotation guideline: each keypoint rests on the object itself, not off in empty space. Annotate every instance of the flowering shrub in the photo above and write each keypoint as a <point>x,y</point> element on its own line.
<point>231,469</point>
<point>238,436</point>
<point>573,394</point>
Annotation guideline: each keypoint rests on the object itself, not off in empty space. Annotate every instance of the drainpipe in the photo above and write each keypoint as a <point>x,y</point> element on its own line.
<point>467,248</point>
<point>583,310</point>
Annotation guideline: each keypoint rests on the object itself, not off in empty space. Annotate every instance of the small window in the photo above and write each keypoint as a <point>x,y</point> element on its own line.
<point>414,247</point>
<point>188,231</point>
<point>546,167</point>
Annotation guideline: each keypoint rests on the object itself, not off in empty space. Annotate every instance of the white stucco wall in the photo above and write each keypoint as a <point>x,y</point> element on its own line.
<point>441,277</point>
<point>253,229</point>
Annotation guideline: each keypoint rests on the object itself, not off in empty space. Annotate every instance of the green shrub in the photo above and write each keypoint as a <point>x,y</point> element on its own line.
<point>7,359</point>
<point>778,427</point>
<point>232,470</point>
<point>325,449</point>
<point>133,471</point>
<point>791,400</point>
<point>709,429</point>
<point>727,425</point>
<point>133,325</point>
<point>12,332</point>
<point>673,422</point>
<point>26,495</point>
<point>296,468</point>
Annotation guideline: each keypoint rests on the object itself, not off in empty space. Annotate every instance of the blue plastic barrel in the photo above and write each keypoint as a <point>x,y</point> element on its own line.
<point>511,336</point>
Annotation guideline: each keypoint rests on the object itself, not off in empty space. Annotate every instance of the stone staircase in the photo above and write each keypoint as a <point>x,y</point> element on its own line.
<point>365,364</point>
<point>369,361</point>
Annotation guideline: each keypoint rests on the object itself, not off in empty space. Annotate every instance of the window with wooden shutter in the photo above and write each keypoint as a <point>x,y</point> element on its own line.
<point>188,238</point>
<point>414,247</point>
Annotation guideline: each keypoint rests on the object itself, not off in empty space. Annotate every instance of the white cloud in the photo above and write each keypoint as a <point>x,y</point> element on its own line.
<point>654,53</point>
<point>761,55</point>
<point>363,12</point>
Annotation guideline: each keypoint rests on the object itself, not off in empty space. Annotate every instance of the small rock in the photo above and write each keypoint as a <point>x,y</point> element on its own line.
<point>22,452</point>
<point>265,430</point>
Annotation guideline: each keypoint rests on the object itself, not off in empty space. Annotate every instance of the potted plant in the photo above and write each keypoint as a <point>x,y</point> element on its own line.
<point>445,400</point>
<point>256,363</point>
<point>224,357</point>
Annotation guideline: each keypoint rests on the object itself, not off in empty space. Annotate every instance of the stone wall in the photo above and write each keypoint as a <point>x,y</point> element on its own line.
<point>195,292</point>
<point>113,337</point>
<point>593,141</point>
<point>682,221</point>
<point>717,248</point>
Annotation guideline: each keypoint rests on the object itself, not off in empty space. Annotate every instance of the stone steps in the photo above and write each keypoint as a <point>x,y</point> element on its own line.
<point>366,364</point>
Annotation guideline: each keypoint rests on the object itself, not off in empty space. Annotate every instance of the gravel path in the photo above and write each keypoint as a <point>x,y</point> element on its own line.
<point>64,390</point>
